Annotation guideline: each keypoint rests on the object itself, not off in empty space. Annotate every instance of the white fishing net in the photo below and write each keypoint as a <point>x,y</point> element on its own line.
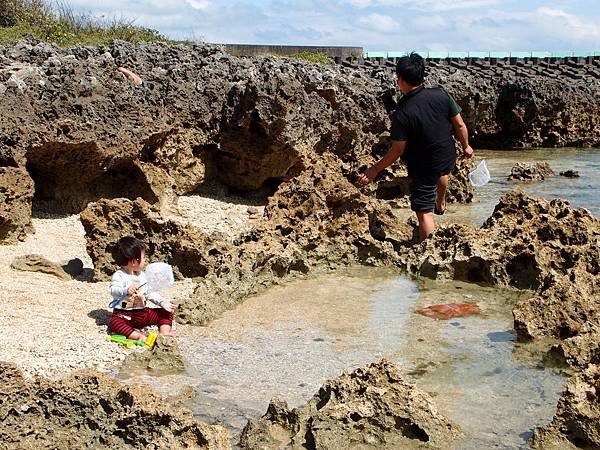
<point>159,276</point>
<point>481,175</point>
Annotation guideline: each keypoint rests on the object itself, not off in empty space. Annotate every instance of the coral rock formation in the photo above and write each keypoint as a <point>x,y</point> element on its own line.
<point>89,134</point>
<point>577,351</point>
<point>317,220</point>
<point>37,263</point>
<point>530,172</point>
<point>548,247</point>
<point>89,409</point>
<point>182,246</point>
<point>16,194</point>
<point>163,359</point>
<point>576,423</point>
<point>570,174</point>
<point>370,408</point>
<point>82,132</point>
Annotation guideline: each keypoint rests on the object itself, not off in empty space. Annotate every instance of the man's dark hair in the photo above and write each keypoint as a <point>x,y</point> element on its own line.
<point>411,68</point>
<point>127,249</point>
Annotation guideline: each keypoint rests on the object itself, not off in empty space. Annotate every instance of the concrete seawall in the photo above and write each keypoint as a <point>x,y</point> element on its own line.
<point>340,53</point>
<point>568,68</point>
<point>577,68</point>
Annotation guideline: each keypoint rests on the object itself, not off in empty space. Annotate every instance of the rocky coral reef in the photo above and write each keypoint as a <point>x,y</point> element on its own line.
<point>370,408</point>
<point>530,171</point>
<point>83,133</point>
<point>77,137</point>
<point>76,128</point>
<point>577,351</point>
<point>37,263</point>
<point>164,358</point>
<point>570,173</point>
<point>42,414</point>
<point>505,110</point>
<point>548,247</point>
<point>184,247</point>
<point>316,220</point>
<point>16,193</point>
<point>576,423</point>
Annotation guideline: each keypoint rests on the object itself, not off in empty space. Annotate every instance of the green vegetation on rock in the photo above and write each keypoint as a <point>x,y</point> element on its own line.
<point>318,58</point>
<point>60,25</point>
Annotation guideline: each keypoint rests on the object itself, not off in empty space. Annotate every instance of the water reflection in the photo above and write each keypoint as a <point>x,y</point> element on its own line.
<point>479,375</point>
<point>581,192</point>
<point>289,340</point>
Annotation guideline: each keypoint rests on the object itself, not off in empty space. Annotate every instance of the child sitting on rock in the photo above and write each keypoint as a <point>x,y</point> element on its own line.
<point>129,288</point>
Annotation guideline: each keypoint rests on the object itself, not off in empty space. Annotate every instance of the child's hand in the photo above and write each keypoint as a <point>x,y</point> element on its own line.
<point>138,301</point>
<point>132,290</point>
<point>168,306</point>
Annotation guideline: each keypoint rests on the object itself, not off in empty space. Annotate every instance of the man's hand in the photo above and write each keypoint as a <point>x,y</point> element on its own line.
<point>468,152</point>
<point>132,290</point>
<point>366,177</point>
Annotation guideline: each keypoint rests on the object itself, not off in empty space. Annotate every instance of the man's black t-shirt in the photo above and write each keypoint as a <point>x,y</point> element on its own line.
<point>422,119</point>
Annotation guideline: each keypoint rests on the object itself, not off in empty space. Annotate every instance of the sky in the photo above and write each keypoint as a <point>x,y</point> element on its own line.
<point>375,25</point>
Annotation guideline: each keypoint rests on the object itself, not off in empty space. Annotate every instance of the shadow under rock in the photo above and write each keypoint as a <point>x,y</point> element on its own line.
<point>101,316</point>
<point>86,276</point>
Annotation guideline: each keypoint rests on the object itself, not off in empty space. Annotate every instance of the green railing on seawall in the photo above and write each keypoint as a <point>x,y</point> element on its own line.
<point>490,54</point>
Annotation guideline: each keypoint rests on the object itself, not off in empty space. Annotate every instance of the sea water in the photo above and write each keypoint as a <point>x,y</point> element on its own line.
<point>582,192</point>
<point>287,341</point>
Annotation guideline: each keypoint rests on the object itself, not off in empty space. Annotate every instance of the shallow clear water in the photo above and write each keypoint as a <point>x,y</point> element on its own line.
<point>287,341</point>
<point>582,192</point>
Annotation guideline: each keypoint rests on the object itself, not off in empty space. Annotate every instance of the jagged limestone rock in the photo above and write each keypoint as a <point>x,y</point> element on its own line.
<point>370,408</point>
<point>42,414</point>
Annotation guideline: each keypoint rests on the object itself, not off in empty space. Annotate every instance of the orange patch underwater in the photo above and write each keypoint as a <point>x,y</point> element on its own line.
<point>449,310</point>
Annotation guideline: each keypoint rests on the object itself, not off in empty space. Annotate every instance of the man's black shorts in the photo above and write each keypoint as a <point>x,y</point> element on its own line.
<point>423,190</point>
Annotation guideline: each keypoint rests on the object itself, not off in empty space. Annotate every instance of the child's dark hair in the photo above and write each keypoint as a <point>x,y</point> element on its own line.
<point>127,249</point>
<point>411,68</point>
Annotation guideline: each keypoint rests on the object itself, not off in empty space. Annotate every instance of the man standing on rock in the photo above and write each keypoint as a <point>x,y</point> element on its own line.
<point>421,133</point>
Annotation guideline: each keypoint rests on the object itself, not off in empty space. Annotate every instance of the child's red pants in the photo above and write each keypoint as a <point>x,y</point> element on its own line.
<point>124,321</point>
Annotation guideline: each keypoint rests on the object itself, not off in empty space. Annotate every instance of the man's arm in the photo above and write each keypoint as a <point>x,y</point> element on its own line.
<point>462,134</point>
<point>389,158</point>
<point>131,76</point>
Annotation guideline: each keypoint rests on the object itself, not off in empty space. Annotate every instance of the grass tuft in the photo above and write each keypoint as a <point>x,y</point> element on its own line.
<point>319,58</point>
<point>57,23</point>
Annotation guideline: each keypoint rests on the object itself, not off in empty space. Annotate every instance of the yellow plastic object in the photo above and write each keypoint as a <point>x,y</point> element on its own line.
<point>151,339</point>
<point>123,340</point>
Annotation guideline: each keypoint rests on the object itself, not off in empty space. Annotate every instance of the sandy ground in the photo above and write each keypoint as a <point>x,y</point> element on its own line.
<point>214,211</point>
<point>50,326</point>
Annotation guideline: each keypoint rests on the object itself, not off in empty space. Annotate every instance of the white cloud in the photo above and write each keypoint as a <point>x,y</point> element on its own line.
<point>452,5</point>
<point>574,25</point>
<point>376,25</point>
<point>379,22</point>
<point>199,4</point>
<point>424,5</point>
<point>430,23</point>
<point>361,3</point>
<point>538,30</point>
